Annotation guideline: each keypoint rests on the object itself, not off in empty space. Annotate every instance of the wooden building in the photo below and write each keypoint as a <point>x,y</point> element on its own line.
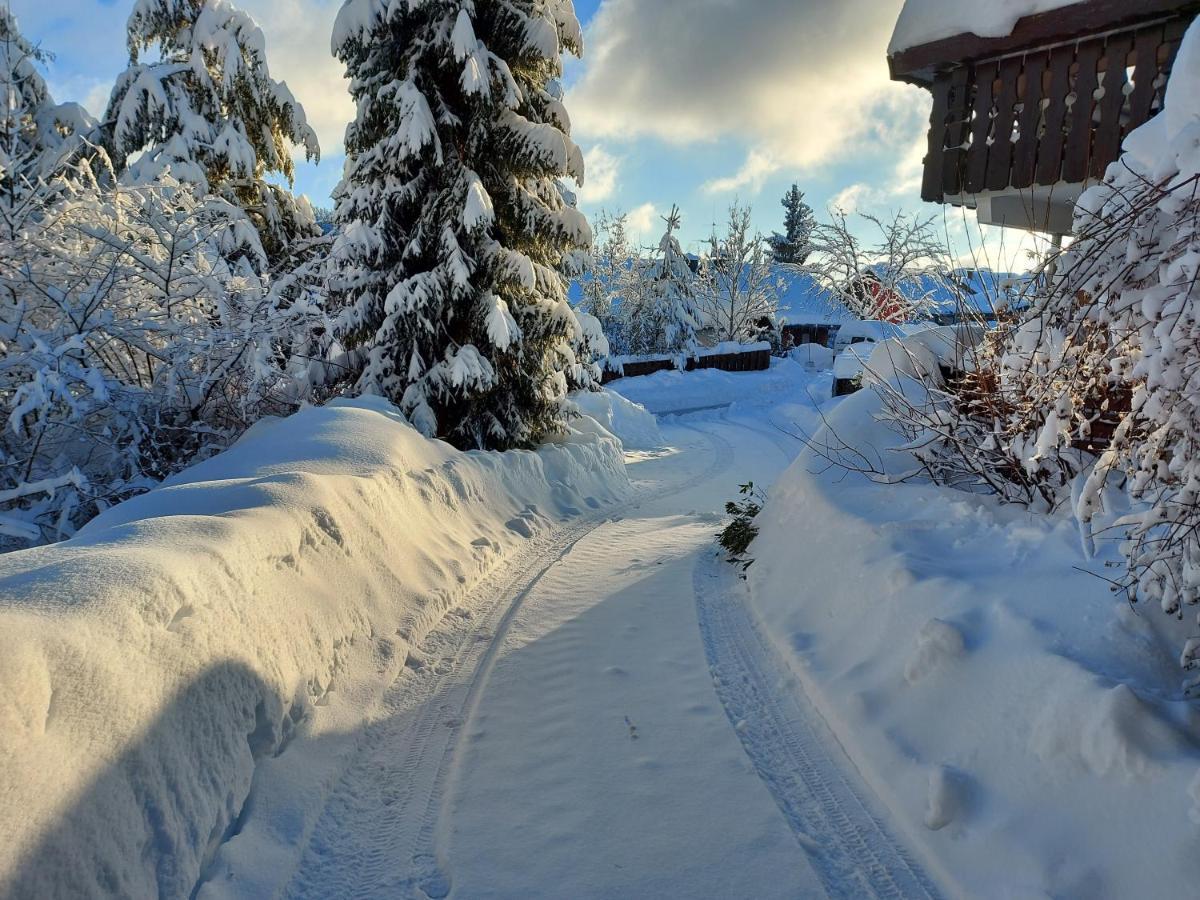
<point>1021,124</point>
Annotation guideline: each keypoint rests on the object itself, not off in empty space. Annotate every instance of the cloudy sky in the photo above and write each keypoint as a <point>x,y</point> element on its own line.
<point>694,102</point>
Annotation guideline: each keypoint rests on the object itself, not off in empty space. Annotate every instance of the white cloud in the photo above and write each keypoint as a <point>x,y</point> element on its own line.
<point>853,198</point>
<point>801,82</point>
<point>90,93</point>
<point>642,222</point>
<point>297,33</point>
<point>904,184</point>
<point>602,169</point>
<point>760,165</point>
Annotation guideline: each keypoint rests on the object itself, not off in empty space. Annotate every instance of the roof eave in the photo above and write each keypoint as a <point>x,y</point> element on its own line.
<point>919,65</point>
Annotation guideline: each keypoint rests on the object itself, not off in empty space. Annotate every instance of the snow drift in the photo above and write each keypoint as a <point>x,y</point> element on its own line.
<point>146,664</point>
<point>629,422</point>
<point>1025,724</point>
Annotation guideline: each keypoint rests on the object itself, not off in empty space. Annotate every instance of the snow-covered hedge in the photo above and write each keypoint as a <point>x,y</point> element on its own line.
<point>147,663</point>
<point>1021,721</point>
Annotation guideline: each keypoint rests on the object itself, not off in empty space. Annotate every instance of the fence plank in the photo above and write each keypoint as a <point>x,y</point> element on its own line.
<point>1108,133</point>
<point>1025,154</point>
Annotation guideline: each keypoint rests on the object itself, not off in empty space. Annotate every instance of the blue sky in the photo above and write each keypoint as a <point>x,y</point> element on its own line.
<point>688,102</point>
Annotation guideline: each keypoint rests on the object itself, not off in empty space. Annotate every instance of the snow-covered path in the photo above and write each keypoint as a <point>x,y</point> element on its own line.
<point>569,732</point>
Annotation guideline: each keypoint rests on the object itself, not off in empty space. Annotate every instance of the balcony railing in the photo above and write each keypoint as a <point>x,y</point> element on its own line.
<point>1048,116</point>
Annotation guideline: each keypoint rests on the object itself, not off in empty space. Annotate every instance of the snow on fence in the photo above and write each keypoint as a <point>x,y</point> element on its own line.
<point>726,357</point>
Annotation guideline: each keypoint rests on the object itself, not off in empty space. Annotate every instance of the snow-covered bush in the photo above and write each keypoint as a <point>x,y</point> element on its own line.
<point>199,99</point>
<point>1094,398</point>
<point>128,347</point>
<point>453,229</point>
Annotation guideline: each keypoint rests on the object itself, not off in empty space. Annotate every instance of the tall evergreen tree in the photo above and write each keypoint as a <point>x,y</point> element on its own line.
<point>198,97</point>
<point>794,245</point>
<point>453,229</point>
<point>38,137</point>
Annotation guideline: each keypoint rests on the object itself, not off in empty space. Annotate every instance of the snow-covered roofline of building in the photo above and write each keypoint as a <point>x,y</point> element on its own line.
<point>926,21</point>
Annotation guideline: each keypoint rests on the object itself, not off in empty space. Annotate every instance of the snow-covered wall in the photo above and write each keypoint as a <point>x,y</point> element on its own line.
<point>146,664</point>
<point>925,21</point>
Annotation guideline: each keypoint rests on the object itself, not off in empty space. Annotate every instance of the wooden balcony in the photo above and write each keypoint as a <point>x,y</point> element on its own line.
<point>1048,107</point>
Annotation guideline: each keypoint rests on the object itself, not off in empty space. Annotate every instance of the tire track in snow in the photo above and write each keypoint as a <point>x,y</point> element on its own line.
<point>795,753</point>
<point>378,833</point>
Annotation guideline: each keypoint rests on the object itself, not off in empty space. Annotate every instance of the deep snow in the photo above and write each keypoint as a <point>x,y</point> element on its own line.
<point>456,677</point>
<point>147,664</point>
<point>1024,725</point>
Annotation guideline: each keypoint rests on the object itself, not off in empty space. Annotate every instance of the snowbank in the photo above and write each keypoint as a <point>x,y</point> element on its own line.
<point>634,426</point>
<point>673,392</point>
<point>1024,724</point>
<point>925,21</point>
<point>812,356</point>
<point>146,664</point>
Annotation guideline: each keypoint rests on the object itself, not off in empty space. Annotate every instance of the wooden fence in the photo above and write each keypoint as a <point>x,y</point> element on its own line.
<point>748,361</point>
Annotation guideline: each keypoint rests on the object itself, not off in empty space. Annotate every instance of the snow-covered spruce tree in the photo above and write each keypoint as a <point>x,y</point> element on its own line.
<point>738,291</point>
<point>795,244</point>
<point>198,97</point>
<point>452,227</point>
<point>670,287</point>
<point>38,138</point>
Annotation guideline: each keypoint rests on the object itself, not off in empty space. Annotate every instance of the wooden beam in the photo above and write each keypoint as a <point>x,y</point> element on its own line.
<point>918,65</point>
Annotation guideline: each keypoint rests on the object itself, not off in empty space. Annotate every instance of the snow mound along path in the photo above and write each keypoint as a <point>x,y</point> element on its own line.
<point>1024,725</point>
<point>629,422</point>
<point>147,664</point>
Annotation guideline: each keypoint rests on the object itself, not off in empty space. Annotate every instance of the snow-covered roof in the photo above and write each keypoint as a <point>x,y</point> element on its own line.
<point>804,302</point>
<point>926,21</point>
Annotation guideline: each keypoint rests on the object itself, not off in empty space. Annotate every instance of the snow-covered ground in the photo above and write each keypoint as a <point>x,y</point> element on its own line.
<point>1025,726</point>
<point>342,660</point>
<point>673,392</point>
<point>186,637</point>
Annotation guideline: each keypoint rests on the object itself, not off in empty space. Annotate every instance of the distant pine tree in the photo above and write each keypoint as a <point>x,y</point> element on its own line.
<point>453,231</point>
<point>794,246</point>
<point>205,106</point>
